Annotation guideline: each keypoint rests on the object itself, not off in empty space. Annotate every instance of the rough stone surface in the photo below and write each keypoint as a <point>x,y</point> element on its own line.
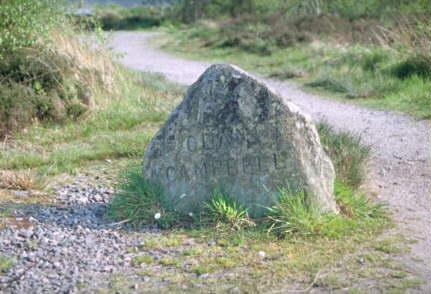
<point>234,134</point>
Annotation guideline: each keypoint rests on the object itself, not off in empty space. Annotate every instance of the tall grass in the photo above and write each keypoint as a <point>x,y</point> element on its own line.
<point>347,153</point>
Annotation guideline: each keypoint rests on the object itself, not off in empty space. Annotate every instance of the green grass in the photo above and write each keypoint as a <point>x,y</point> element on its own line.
<point>142,259</point>
<point>5,263</point>
<point>120,126</point>
<point>347,153</point>
<point>226,212</point>
<point>223,261</point>
<point>293,216</point>
<point>369,76</point>
<point>139,202</point>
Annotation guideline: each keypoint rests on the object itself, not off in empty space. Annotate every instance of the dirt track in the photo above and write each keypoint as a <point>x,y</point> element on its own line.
<point>399,169</point>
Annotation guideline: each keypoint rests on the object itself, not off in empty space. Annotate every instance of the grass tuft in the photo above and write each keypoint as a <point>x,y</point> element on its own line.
<point>292,216</point>
<point>139,202</point>
<point>6,263</point>
<point>347,153</point>
<point>224,211</point>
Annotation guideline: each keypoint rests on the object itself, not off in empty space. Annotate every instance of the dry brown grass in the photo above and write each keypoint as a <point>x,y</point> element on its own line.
<point>55,80</point>
<point>410,33</point>
<point>20,180</point>
<point>92,65</point>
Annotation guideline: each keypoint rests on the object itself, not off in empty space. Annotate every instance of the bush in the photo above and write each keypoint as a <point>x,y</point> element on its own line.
<point>25,22</point>
<point>119,18</point>
<point>46,73</point>
<point>43,88</point>
<point>418,65</point>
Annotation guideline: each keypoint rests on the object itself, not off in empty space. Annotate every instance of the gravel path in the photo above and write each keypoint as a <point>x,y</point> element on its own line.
<point>399,170</point>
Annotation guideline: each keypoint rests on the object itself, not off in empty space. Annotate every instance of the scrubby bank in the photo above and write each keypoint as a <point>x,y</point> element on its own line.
<point>46,73</point>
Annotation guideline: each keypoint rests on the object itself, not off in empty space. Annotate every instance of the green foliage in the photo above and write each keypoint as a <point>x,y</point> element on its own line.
<point>224,211</point>
<point>39,79</point>
<point>346,152</point>
<point>418,65</point>
<point>119,18</point>
<point>5,263</point>
<point>120,128</point>
<point>25,22</point>
<point>192,10</point>
<point>140,202</point>
<point>142,259</point>
<point>292,216</point>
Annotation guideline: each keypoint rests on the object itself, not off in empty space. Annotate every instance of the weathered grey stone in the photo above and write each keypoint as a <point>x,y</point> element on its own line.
<point>234,134</point>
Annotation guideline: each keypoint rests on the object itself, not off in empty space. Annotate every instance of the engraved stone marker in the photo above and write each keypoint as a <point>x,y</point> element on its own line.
<point>234,134</point>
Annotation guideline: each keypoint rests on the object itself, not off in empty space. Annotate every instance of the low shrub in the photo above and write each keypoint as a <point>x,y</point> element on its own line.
<point>119,18</point>
<point>51,78</point>
<point>417,65</point>
<point>44,87</point>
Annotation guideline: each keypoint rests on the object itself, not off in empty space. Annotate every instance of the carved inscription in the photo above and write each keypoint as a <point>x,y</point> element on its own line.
<point>247,165</point>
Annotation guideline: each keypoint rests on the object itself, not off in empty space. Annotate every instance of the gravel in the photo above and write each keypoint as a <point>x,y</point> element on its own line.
<point>57,248</point>
<point>399,172</point>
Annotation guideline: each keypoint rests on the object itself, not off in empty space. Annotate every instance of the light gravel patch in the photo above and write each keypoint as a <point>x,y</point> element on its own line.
<point>399,171</point>
<point>64,246</point>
